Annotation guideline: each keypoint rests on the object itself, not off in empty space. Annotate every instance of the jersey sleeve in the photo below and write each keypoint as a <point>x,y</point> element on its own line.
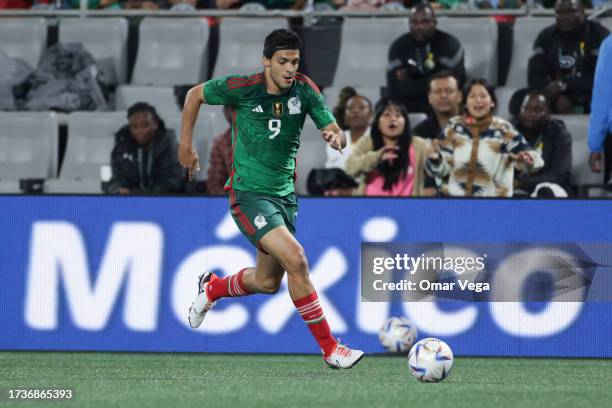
<point>218,92</point>
<point>319,112</point>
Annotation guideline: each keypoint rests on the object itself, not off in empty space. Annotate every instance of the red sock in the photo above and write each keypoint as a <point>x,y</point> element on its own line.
<point>231,286</point>
<point>311,312</point>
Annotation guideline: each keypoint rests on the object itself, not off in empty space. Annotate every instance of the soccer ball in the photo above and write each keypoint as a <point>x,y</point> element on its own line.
<point>430,360</point>
<point>397,334</point>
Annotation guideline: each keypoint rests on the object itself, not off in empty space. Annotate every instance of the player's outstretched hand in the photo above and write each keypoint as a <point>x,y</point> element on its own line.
<point>188,157</point>
<point>333,138</point>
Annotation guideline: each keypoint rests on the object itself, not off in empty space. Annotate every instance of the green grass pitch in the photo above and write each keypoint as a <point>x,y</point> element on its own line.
<point>224,380</point>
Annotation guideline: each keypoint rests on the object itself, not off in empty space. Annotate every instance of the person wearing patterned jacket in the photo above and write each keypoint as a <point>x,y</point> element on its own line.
<point>480,151</point>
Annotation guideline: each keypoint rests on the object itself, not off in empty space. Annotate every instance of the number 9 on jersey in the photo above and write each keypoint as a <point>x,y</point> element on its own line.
<point>274,126</point>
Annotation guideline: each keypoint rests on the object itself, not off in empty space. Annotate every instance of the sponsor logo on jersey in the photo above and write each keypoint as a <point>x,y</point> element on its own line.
<point>277,109</point>
<point>258,109</point>
<point>295,106</point>
<point>260,221</point>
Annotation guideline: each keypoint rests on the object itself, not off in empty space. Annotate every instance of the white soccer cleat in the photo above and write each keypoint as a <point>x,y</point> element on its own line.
<point>201,304</point>
<point>343,357</point>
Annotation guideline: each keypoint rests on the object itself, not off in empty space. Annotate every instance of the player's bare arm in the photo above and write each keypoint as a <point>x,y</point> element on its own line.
<point>333,135</point>
<point>188,157</point>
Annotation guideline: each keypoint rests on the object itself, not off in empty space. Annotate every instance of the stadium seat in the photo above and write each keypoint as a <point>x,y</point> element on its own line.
<point>599,192</point>
<point>478,36</point>
<point>504,94</point>
<point>172,51</point>
<point>104,38</point>
<point>215,115</point>
<point>607,22</point>
<point>241,44</point>
<point>581,171</point>
<point>203,136</point>
<point>578,126</point>
<point>28,148</point>
<point>526,31</point>
<point>161,97</point>
<point>90,143</point>
<point>311,155</point>
<point>24,38</point>
<point>415,119</point>
<point>364,50</point>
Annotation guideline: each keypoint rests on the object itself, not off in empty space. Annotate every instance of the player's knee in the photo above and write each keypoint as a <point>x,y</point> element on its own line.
<point>297,263</point>
<point>269,286</point>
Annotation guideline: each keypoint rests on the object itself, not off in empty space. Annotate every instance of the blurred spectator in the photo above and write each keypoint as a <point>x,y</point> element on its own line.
<point>143,5</point>
<point>444,98</point>
<point>564,59</point>
<point>340,109</point>
<point>357,118</point>
<point>600,3</point>
<point>145,156</point>
<point>362,5</point>
<point>391,161</point>
<point>15,4</point>
<point>480,151</point>
<point>296,4</point>
<point>551,140</point>
<point>587,4</point>
<point>444,4</point>
<point>220,165</point>
<point>415,56</point>
<point>600,127</point>
<point>229,4</point>
<point>498,4</point>
<point>91,4</point>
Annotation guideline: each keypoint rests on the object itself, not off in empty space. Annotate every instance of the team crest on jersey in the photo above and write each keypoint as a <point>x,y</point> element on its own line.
<point>295,106</point>
<point>260,221</point>
<point>277,109</point>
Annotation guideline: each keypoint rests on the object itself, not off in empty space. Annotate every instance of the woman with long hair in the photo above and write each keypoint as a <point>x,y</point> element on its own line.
<point>480,151</point>
<point>390,161</point>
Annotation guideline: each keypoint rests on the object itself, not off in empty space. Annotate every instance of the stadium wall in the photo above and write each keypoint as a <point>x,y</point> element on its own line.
<point>118,274</point>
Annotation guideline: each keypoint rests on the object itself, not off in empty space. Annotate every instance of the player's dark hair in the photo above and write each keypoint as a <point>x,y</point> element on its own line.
<point>445,73</point>
<point>145,107</point>
<point>484,83</point>
<point>281,39</point>
<point>392,172</point>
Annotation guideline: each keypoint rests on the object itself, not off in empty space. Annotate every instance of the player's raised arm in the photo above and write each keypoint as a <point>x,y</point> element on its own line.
<point>334,136</point>
<point>188,157</point>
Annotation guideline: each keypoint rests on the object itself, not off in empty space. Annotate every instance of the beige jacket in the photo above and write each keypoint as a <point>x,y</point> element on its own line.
<point>364,159</point>
<point>477,157</point>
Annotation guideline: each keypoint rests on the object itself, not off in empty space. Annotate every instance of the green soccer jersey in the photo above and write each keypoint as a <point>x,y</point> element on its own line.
<point>266,128</point>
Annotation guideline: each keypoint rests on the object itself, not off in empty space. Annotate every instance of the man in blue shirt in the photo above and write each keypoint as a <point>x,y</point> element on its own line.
<point>600,126</point>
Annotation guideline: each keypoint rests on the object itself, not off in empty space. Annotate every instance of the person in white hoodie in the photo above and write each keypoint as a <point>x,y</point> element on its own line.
<point>357,116</point>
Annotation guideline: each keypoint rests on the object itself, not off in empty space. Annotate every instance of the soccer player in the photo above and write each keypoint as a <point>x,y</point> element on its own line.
<point>268,113</point>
